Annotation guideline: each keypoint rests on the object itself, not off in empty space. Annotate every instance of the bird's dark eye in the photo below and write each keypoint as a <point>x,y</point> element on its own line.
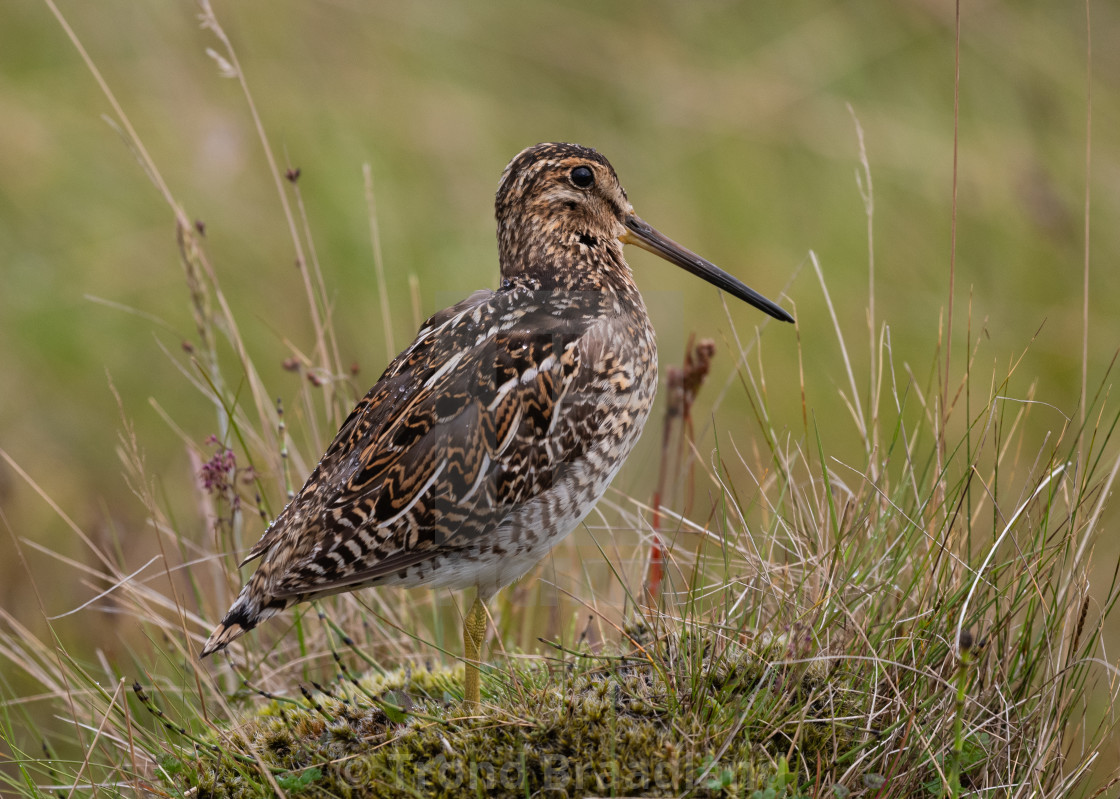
<point>582,177</point>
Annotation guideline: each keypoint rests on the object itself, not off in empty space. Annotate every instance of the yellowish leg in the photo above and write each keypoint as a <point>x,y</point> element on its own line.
<point>474,631</point>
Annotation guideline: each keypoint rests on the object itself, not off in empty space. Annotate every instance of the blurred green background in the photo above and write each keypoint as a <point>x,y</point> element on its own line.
<point>727,123</point>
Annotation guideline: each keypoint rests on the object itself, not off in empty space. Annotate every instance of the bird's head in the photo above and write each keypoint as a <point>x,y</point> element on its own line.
<point>563,217</point>
<point>559,205</point>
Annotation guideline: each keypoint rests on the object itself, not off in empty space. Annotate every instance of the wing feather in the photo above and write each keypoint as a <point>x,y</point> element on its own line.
<point>461,429</point>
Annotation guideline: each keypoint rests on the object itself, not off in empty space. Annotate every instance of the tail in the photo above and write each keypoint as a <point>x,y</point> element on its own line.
<point>247,612</point>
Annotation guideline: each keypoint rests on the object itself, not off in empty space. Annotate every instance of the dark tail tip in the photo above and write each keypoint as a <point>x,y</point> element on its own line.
<point>236,623</point>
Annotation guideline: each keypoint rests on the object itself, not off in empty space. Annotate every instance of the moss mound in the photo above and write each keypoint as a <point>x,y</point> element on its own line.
<point>719,723</point>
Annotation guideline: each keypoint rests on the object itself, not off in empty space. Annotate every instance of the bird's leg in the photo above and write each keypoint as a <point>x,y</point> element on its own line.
<point>474,631</point>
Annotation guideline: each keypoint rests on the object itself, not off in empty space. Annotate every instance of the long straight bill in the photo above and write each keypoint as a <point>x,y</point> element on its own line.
<point>645,236</point>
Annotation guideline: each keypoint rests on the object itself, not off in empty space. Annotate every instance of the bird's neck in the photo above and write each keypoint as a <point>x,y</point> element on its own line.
<point>557,257</point>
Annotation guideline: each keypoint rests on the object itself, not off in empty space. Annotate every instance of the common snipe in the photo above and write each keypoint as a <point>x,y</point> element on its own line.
<point>494,434</point>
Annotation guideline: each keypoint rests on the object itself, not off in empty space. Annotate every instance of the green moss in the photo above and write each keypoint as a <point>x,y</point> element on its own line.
<point>719,722</point>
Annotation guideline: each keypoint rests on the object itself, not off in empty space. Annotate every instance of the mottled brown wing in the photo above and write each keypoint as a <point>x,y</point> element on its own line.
<point>454,436</point>
<point>399,382</point>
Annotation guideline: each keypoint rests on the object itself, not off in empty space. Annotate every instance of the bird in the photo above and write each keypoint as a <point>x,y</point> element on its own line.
<point>493,435</point>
